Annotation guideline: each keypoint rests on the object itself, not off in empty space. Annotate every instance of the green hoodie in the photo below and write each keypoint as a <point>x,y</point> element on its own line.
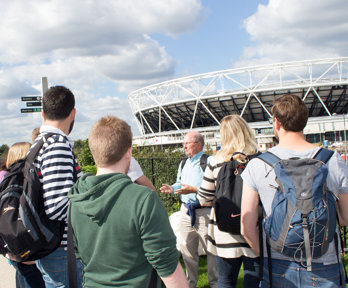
<point>121,231</point>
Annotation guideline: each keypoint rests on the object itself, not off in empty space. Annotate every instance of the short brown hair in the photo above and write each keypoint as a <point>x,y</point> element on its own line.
<point>35,133</point>
<point>109,140</point>
<point>291,112</point>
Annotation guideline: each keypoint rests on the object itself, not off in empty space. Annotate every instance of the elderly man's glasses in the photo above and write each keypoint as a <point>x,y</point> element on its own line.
<point>187,143</point>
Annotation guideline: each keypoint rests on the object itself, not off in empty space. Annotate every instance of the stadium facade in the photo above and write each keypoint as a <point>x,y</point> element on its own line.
<point>164,112</point>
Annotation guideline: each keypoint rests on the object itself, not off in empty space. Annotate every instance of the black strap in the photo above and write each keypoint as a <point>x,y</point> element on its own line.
<point>261,215</point>
<point>153,279</point>
<point>262,256</point>
<point>269,258</point>
<point>203,162</point>
<point>71,254</point>
<point>35,150</point>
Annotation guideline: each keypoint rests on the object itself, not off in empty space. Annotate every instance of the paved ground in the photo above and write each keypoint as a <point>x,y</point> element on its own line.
<point>7,274</point>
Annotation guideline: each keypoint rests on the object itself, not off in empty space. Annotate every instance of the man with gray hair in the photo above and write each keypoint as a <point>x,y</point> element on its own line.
<point>194,218</point>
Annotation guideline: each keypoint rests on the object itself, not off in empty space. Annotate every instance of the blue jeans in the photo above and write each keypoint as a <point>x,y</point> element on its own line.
<point>228,270</point>
<point>54,269</point>
<point>292,274</point>
<point>28,276</point>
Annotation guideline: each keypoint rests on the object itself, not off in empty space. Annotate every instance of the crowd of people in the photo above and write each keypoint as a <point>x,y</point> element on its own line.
<point>122,234</point>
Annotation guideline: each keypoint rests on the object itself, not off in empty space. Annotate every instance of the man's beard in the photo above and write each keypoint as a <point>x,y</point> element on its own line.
<point>71,126</point>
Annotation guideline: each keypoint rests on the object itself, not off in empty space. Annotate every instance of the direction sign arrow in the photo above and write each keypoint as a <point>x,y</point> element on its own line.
<point>31,104</point>
<point>30,110</point>
<point>31,98</point>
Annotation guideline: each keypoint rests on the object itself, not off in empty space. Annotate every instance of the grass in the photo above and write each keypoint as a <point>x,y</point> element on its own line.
<point>203,275</point>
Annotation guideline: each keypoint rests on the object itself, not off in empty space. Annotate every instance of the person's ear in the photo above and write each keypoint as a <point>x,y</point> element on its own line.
<point>73,114</point>
<point>277,124</point>
<point>129,152</point>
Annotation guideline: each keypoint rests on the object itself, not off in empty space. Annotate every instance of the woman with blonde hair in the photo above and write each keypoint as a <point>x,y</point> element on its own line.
<point>17,152</point>
<point>27,274</point>
<point>231,250</point>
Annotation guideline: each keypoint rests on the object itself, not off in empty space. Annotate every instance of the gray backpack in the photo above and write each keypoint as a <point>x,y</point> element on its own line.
<point>303,218</point>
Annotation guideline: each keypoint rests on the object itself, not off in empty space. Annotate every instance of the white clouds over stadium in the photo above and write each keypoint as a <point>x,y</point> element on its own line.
<point>103,50</point>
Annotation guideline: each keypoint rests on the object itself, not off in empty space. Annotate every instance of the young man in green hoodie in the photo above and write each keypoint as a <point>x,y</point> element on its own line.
<point>122,231</point>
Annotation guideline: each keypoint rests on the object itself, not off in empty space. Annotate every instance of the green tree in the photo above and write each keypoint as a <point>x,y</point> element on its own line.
<point>77,149</point>
<point>3,150</point>
<point>85,158</point>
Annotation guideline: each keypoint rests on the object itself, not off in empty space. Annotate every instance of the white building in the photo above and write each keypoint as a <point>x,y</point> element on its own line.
<point>166,111</point>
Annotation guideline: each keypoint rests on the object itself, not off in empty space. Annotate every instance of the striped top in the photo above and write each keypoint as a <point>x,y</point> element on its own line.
<point>220,243</point>
<point>55,165</point>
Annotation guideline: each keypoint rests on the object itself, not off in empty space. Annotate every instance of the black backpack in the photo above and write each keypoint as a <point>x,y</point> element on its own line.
<point>25,229</point>
<point>228,194</point>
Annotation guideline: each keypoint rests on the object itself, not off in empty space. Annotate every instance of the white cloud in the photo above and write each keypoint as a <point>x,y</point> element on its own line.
<point>287,30</point>
<point>40,27</point>
<point>101,50</point>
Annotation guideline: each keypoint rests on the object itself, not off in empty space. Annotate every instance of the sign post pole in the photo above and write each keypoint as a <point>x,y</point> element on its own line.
<point>37,100</point>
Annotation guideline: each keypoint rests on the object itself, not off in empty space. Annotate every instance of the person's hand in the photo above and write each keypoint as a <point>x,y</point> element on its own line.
<point>167,189</point>
<point>186,189</point>
<point>12,258</point>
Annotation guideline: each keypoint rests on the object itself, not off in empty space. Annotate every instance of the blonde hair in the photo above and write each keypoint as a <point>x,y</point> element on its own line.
<point>17,152</point>
<point>236,136</point>
<point>109,140</point>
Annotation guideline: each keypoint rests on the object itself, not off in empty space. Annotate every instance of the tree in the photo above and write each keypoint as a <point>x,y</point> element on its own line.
<point>85,158</point>
<point>3,150</point>
<point>77,149</point>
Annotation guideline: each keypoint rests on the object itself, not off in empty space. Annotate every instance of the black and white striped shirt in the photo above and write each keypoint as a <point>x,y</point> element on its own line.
<point>55,165</point>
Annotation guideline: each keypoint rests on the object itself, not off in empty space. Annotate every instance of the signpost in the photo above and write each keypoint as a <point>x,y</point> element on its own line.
<point>30,110</point>
<point>31,104</point>
<point>35,100</point>
<point>31,98</point>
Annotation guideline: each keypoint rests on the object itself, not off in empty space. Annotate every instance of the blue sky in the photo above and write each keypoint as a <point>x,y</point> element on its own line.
<point>217,42</point>
<point>103,50</point>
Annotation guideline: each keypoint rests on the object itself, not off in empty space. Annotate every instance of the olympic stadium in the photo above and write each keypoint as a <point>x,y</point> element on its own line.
<point>164,112</point>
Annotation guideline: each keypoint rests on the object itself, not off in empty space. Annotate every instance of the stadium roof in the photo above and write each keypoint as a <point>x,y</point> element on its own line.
<point>201,101</point>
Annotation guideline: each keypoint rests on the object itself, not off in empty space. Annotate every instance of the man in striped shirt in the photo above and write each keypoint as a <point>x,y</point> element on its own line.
<point>58,170</point>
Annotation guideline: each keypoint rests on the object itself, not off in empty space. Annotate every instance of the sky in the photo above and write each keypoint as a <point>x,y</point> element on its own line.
<point>104,50</point>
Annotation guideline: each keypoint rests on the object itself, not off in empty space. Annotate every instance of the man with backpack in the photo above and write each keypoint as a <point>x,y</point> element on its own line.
<point>57,170</point>
<point>194,218</point>
<point>298,184</point>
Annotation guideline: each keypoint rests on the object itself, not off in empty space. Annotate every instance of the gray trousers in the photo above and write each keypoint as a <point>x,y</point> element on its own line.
<point>191,236</point>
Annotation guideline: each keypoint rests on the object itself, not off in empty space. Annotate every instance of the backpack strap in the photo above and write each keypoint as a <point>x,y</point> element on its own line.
<point>71,253</point>
<point>269,158</point>
<point>204,161</point>
<point>182,163</point>
<point>33,152</point>
<point>323,155</point>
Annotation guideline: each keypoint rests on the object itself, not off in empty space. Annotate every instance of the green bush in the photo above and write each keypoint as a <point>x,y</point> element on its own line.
<point>159,164</point>
<point>89,169</point>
